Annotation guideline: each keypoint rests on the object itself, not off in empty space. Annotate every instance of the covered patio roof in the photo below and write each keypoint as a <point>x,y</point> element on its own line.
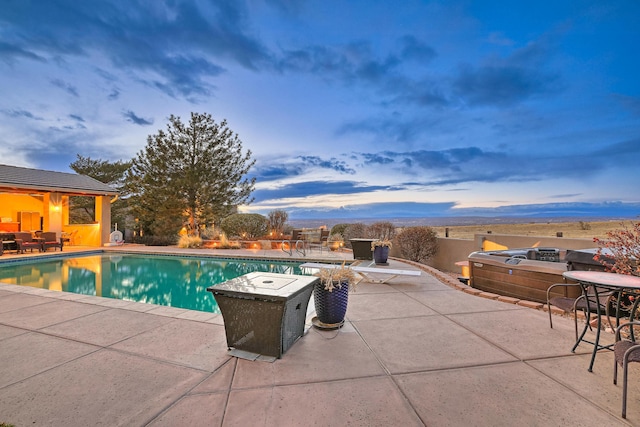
<point>36,199</point>
<point>15,179</point>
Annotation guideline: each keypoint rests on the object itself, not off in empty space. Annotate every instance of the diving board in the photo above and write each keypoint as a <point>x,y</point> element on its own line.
<point>367,271</point>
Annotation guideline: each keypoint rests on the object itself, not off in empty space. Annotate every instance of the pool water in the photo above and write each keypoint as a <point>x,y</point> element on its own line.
<point>164,280</point>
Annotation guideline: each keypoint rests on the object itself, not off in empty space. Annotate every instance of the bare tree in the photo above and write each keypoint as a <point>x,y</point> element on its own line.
<point>277,220</point>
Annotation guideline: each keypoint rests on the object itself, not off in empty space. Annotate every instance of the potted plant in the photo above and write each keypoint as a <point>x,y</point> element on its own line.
<point>335,242</point>
<point>380,250</point>
<point>331,295</point>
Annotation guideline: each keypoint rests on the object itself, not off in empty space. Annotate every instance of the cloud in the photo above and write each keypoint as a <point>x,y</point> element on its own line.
<point>377,159</point>
<point>174,41</point>
<point>387,72</point>
<point>133,118</point>
<point>618,153</point>
<point>67,87</point>
<point>76,117</point>
<point>414,49</point>
<point>423,92</point>
<point>314,188</point>
<point>475,164</point>
<point>332,164</point>
<point>452,161</point>
<point>183,76</point>
<point>420,170</point>
<point>10,52</point>
<point>266,171</point>
<point>22,113</point>
<point>276,172</point>
<point>508,81</point>
<point>393,129</point>
<point>564,196</point>
<point>500,85</point>
<point>54,148</point>
<point>350,63</point>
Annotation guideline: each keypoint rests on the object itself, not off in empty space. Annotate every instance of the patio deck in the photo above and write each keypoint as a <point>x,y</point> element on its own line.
<point>413,352</point>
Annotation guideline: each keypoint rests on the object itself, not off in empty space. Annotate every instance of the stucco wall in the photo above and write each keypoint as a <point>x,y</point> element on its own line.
<point>11,204</point>
<point>451,251</point>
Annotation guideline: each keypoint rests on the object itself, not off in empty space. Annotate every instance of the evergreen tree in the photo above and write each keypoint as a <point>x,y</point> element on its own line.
<point>82,209</point>
<point>189,175</point>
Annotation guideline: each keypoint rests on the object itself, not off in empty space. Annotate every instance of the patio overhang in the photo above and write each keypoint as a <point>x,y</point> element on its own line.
<point>45,195</point>
<point>40,190</point>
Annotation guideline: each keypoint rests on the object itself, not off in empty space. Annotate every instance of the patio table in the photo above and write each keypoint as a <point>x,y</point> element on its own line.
<point>595,280</point>
<point>264,313</point>
<point>362,248</point>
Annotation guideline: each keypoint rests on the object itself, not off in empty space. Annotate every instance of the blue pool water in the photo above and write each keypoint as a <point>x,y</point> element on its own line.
<point>165,280</point>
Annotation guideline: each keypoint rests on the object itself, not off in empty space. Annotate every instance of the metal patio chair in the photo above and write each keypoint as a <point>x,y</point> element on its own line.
<point>625,351</point>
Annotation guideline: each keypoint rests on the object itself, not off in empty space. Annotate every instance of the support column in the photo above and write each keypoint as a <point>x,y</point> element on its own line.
<point>65,210</point>
<point>103,217</point>
<point>52,213</point>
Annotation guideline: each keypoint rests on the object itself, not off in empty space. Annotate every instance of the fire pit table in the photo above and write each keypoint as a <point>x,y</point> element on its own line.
<point>264,313</point>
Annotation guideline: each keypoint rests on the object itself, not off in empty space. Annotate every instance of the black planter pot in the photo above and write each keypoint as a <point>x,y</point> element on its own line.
<point>381,254</point>
<point>331,307</point>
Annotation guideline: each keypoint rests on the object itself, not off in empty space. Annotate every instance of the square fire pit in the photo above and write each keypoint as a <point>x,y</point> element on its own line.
<point>264,313</point>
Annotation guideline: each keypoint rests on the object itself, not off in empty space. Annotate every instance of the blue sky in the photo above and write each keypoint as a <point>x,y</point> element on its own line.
<point>350,108</point>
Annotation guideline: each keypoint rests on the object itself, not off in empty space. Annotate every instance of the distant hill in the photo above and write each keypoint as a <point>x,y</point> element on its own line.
<point>449,221</point>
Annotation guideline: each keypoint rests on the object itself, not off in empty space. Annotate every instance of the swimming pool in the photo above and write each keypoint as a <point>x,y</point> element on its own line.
<point>173,281</point>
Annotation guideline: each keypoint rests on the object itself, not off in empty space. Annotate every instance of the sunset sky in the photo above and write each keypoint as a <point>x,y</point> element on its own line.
<point>352,109</point>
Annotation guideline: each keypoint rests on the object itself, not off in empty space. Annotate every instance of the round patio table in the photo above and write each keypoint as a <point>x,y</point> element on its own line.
<point>595,280</point>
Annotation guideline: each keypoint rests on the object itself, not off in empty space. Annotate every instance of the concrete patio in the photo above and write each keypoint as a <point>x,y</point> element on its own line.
<point>414,352</point>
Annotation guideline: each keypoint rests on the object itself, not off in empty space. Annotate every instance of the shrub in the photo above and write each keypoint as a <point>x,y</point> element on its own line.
<point>339,229</point>
<point>187,241</point>
<point>417,243</point>
<point>354,231</point>
<point>246,226</point>
<point>383,230</point>
<point>336,238</point>
<point>210,233</point>
<point>623,246</point>
<point>226,244</point>
<point>584,225</point>
<point>287,230</point>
